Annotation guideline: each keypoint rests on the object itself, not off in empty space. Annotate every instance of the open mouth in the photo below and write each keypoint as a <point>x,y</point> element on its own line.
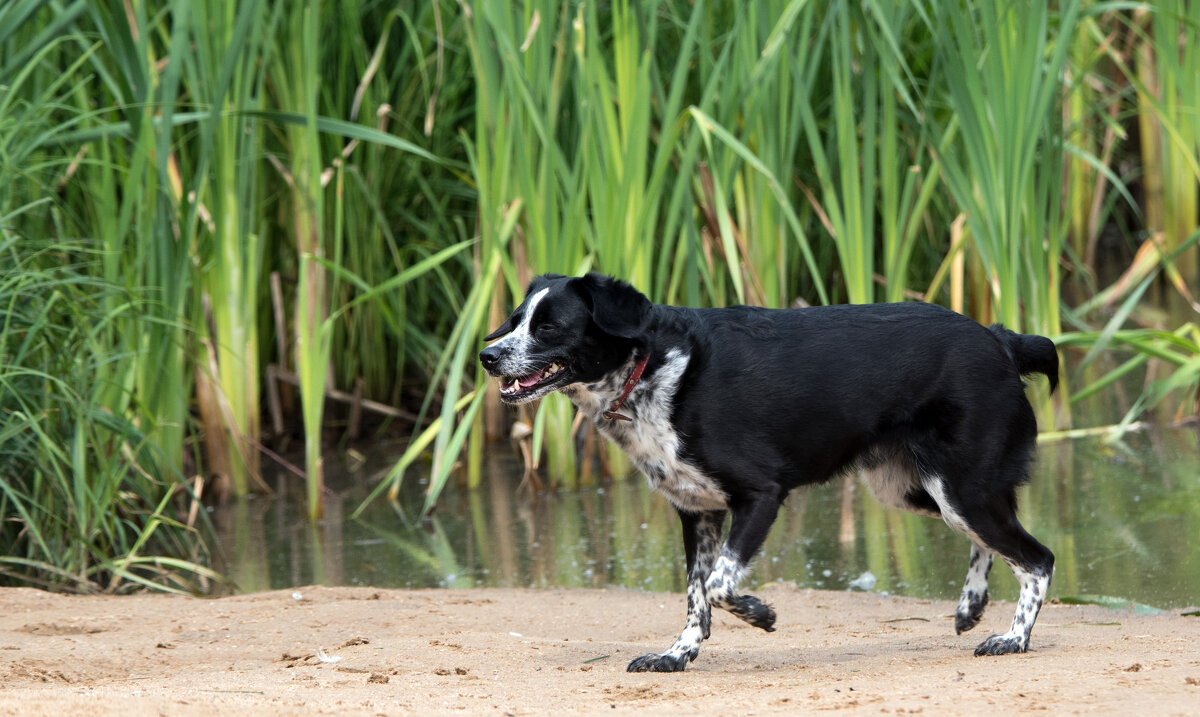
<point>512,387</point>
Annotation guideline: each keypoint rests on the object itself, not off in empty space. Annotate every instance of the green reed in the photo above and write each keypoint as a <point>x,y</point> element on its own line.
<point>1003,66</point>
<point>224,75</point>
<point>1168,63</point>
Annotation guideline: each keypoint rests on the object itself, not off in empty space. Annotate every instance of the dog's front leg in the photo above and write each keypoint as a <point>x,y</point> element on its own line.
<point>751,522</point>
<point>701,541</point>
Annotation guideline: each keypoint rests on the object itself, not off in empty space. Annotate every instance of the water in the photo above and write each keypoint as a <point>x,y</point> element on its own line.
<point>1122,520</point>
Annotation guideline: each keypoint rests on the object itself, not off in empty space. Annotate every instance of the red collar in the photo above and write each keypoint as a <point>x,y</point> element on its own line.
<point>630,382</point>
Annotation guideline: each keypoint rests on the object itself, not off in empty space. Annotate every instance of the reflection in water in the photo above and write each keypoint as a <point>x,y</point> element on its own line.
<point>1121,520</point>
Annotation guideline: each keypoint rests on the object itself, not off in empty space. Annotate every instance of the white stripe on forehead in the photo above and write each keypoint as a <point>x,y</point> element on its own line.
<point>533,302</point>
<point>519,338</point>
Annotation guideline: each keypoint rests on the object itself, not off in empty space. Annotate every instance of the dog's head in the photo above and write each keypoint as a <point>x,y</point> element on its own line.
<point>567,330</point>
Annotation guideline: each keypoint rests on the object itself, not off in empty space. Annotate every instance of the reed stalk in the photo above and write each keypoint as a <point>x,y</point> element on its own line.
<point>1168,66</point>
<point>225,76</point>
<point>299,78</point>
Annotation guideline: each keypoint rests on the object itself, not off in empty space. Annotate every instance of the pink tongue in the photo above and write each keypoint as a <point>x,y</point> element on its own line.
<point>531,379</point>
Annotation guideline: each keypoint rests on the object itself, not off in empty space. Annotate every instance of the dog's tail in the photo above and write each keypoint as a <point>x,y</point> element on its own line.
<point>1031,354</point>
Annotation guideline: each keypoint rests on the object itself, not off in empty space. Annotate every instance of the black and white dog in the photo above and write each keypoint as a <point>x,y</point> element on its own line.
<point>727,410</point>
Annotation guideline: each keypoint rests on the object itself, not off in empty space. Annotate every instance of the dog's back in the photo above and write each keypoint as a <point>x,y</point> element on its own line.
<point>816,391</point>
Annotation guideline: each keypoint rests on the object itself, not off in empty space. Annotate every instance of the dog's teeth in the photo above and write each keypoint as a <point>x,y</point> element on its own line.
<point>515,386</point>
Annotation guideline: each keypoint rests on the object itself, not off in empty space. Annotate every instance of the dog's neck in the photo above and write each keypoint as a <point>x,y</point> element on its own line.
<point>614,411</point>
<point>596,398</point>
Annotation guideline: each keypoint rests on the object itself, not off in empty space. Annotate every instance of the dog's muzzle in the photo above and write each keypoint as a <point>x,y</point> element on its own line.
<point>490,358</point>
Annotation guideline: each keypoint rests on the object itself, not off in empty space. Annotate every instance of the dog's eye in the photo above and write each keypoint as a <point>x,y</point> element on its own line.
<point>547,328</point>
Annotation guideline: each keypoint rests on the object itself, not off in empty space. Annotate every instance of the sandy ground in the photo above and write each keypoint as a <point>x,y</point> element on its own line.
<point>518,652</point>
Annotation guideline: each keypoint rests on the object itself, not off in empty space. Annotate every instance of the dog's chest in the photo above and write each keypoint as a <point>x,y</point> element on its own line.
<point>651,441</point>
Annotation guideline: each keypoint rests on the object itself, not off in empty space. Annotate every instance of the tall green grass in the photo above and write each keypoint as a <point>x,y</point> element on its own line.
<point>93,396</point>
<point>193,147</point>
<point>84,505</point>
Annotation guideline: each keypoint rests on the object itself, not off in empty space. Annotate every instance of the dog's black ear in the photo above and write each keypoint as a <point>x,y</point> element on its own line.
<point>617,308</point>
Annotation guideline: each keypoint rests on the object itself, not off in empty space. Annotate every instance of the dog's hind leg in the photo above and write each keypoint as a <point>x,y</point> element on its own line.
<point>701,543</point>
<point>975,590</point>
<point>1033,591</point>
<point>994,527</point>
<point>1033,565</point>
<point>749,528</point>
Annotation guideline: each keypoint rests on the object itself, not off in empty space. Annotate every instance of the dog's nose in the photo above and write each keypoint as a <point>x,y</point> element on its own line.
<point>489,357</point>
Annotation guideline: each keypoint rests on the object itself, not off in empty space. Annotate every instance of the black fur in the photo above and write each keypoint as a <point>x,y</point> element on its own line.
<point>747,403</point>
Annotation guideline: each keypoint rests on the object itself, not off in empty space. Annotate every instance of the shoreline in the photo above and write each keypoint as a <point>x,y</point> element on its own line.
<point>538,651</point>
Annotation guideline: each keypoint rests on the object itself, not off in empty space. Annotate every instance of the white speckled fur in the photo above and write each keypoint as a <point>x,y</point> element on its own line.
<point>1033,586</point>
<point>650,440</point>
<point>723,581</point>
<point>975,589</point>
